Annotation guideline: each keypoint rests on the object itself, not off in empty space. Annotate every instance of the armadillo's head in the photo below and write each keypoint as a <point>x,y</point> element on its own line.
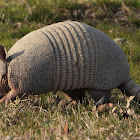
<point>4,88</point>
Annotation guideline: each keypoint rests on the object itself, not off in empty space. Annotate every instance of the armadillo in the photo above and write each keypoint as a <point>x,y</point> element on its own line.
<point>65,56</point>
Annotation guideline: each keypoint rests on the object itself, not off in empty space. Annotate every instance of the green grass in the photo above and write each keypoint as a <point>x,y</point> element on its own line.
<point>47,116</point>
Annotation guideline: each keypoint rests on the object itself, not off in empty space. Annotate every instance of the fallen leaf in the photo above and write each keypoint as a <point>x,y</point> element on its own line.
<point>113,109</point>
<point>129,100</point>
<point>66,128</point>
<point>125,10</point>
<point>104,107</point>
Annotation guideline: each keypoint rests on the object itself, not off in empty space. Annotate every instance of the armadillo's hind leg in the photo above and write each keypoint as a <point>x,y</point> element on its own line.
<point>9,96</point>
<point>131,89</point>
<point>96,95</point>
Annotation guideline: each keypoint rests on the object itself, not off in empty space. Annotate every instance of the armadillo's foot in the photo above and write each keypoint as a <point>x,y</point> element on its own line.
<point>131,89</point>
<point>100,96</point>
<point>10,95</point>
<point>75,94</point>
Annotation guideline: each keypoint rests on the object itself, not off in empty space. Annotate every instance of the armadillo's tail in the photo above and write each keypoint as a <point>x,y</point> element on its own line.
<point>131,89</point>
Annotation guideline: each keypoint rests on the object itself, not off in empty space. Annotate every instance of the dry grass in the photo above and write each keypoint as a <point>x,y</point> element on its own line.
<point>53,117</point>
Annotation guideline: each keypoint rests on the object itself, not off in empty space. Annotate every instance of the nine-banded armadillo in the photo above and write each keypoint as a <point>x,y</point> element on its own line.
<point>66,56</point>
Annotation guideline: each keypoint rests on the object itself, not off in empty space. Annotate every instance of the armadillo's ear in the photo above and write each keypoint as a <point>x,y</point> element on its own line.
<point>2,53</point>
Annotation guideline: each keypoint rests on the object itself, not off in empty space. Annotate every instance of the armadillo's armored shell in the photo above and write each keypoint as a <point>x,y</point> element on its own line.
<point>66,55</point>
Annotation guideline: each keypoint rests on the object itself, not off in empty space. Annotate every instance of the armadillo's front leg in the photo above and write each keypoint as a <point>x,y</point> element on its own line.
<point>10,95</point>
